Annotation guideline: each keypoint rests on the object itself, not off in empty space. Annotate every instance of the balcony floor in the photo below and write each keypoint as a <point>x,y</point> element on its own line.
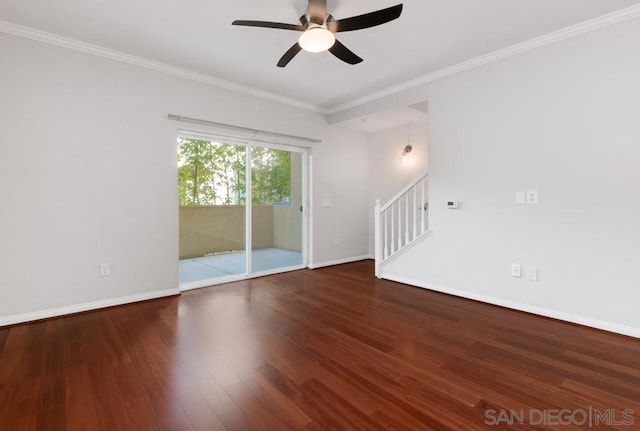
<point>233,263</point>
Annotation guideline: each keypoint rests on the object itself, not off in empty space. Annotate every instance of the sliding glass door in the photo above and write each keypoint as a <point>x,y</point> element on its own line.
<point>276,196</point>
<point>212,192</point>
<point>241,210</point>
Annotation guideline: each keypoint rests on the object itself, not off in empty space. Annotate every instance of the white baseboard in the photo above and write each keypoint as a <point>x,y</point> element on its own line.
<point>88,306</point>
<point>567,317</point>
<point>339,261</point>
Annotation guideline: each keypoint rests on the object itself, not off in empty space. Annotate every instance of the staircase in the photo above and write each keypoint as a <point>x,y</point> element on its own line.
<point>401,221</point>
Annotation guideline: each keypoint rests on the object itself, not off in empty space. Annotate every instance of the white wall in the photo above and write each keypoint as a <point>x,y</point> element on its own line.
<point>562,119</point>
<point>388,174</point>
<point>340,174</point>
<point>88,175</point>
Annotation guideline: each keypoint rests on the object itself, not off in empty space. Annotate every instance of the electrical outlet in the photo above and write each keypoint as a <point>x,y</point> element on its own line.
<point>520,199</point>
<point>532,273</point>
<point>105,269</point>
<point>532,196</point>
<point>516,270</point>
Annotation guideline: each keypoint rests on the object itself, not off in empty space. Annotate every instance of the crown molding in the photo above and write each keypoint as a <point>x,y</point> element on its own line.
<point>87,48</point>
<point>547,39</point>
<point>553,37</point>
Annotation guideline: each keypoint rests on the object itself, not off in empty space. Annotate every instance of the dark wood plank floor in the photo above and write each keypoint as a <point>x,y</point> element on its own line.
<point>330,349</point>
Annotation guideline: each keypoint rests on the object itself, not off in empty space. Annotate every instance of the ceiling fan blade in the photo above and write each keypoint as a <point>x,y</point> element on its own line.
<point>269,24</point>
<point>288,56</point>
<point>344,53</point>
<point>366,20</point>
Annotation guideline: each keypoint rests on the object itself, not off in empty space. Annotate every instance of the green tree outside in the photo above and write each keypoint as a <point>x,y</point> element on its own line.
<point>213,173</point>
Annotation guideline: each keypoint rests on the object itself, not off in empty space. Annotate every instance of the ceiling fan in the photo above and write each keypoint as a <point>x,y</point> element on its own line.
<point>318,28</point>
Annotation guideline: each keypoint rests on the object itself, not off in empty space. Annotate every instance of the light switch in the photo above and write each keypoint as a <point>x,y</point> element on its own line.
<point>520,197</point>
<point>327,203</point>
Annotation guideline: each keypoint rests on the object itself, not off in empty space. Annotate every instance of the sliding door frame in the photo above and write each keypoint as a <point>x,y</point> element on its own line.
<point>249,144</point>
<point>304,152</point>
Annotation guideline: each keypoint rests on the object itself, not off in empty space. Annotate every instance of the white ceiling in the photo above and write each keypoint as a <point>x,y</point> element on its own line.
<point>197,35</point>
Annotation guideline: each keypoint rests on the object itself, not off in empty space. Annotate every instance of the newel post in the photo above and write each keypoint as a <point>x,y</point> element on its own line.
<point>377,234</point>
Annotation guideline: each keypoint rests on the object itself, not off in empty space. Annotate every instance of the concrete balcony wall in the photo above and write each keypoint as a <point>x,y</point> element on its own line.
<point>287,227</point>
<point>287,219</point>
<point>262,226</point>
<point>219,228</point>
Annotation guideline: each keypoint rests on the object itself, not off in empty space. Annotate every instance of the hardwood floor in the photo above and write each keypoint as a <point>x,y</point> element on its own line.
<point>329,349</point>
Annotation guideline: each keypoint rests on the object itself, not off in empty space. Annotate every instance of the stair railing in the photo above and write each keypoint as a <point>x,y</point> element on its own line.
<point>401,221</point>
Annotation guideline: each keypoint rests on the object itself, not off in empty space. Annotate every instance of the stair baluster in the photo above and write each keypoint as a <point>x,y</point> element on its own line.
<point>389,241</point>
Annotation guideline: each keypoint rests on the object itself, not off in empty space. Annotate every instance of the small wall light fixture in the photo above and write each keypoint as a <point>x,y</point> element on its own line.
<point>405,153</point>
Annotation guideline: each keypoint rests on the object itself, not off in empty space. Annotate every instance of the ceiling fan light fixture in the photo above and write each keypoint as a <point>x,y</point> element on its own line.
<point>316,39</point>
<point>318,27</point>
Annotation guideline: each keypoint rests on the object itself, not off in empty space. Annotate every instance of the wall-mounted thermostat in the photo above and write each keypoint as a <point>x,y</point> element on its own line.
<point>452,205</point>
